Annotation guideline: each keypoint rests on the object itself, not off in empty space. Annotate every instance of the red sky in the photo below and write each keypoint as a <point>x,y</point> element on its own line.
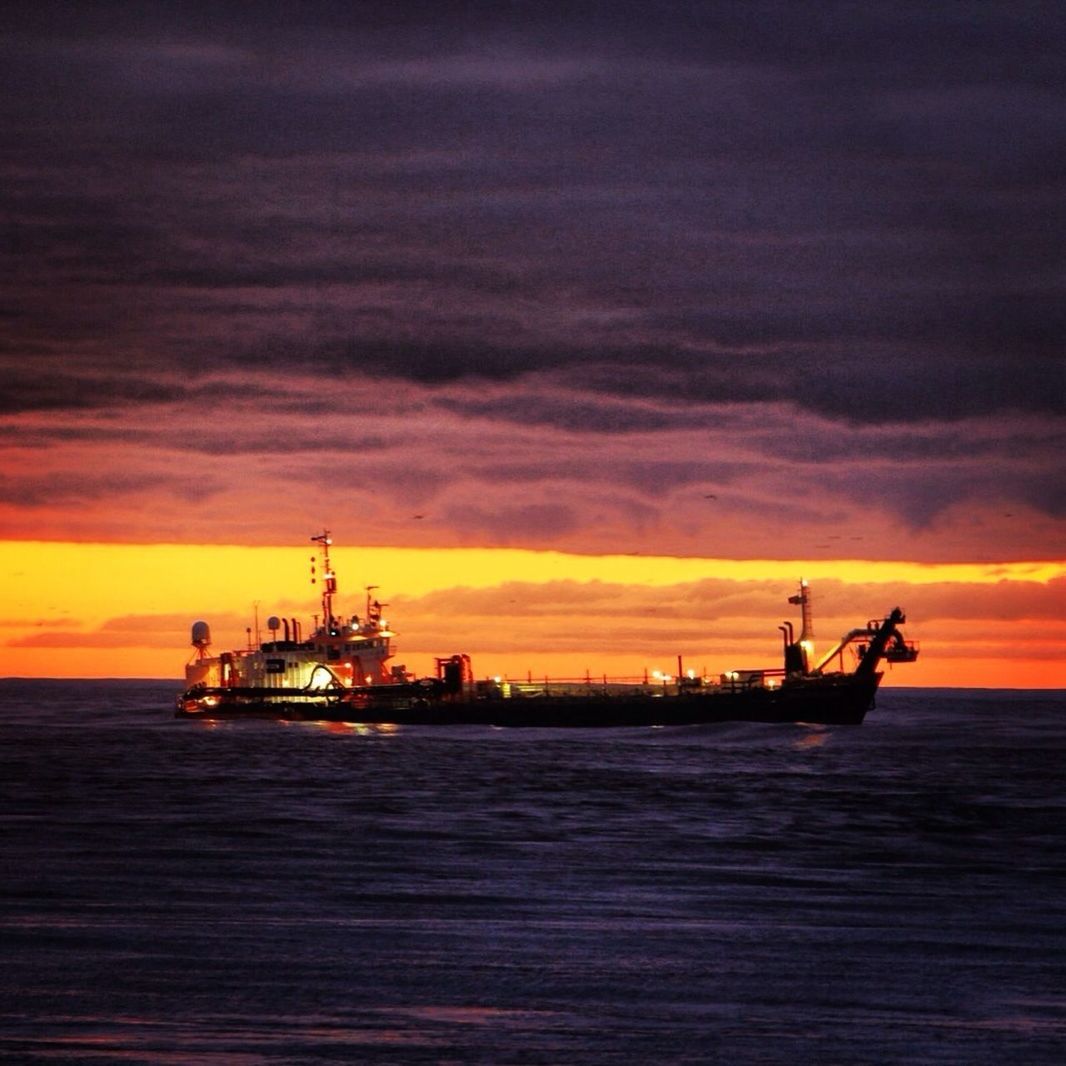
<point>685,287</point>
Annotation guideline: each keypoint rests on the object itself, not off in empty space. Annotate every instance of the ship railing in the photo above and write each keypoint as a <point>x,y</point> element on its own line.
<point>905,651</point>
<point>743,680</point>
<point>900,651</point>
<point>604,685</point>
<point>506,688</point>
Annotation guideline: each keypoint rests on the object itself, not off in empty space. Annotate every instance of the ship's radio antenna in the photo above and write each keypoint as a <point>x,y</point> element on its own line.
<point>329,579</point>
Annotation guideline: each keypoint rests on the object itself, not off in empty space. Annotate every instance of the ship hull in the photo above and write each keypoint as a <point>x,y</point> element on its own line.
<point>842,700</point>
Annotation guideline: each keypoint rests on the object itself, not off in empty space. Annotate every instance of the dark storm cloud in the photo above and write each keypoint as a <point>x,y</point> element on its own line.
<point>920,495</point>
<point>626,214</point>
<point>576,414</point>
<point>25,389</point>
<point>220,441</point>
<point>47,384</point>
<point>917,444</point>
<point>35,490</point>
<point>508,524</point>
<point>650,477</point>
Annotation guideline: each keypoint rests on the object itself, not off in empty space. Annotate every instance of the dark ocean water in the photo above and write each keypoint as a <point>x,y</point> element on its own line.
<point>270,893</point>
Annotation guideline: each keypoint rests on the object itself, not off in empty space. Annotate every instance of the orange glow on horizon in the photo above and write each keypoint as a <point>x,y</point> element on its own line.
<point>111,610</point>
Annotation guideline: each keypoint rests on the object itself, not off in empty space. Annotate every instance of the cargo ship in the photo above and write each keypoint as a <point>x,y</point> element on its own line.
<point>341,672</point>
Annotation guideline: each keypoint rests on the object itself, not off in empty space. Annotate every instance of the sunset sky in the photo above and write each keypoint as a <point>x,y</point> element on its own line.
<point>588,329</point>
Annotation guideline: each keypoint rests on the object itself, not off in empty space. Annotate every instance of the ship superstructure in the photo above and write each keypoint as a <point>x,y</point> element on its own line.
<point>341,672</point>
<point>341,652</point>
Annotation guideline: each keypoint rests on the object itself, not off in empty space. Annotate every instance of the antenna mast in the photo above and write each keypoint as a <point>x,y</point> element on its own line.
<point>329,580</point>
<point>806,637</point>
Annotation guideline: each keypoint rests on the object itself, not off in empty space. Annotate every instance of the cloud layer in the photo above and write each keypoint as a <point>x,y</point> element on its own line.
<point>693,279</point>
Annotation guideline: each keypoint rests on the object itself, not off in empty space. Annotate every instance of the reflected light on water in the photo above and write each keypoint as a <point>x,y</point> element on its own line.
<point>815,738</point>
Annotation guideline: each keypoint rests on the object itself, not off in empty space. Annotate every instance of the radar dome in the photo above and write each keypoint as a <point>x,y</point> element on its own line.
<point>201,634</point>
<point>273,623</point>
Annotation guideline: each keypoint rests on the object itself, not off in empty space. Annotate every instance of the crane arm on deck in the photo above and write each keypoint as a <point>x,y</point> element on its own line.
<point>884,642</point>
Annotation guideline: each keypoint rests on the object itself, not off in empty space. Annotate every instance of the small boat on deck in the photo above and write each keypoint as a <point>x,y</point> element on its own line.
<point>341,673</point>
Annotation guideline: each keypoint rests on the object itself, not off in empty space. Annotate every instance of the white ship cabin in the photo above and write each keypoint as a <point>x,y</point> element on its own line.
<point>353,651</point>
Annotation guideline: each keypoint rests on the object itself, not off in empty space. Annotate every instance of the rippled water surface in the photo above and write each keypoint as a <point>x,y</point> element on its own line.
<point>265,893</point>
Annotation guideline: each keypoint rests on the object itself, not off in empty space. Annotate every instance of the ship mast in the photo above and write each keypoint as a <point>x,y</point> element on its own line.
<point>806,637</point>
<point>329,580</point>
